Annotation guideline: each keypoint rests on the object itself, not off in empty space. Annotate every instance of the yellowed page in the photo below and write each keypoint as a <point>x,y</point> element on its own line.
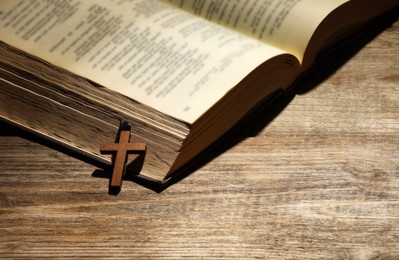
<point>150,51</point>
<point>288,24</point>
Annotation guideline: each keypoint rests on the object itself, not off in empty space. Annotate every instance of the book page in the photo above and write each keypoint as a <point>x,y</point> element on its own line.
<point>161,56</point>
<point>288,24</point>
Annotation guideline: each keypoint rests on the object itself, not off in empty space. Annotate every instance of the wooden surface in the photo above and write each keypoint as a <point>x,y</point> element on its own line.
<point>321,180</point>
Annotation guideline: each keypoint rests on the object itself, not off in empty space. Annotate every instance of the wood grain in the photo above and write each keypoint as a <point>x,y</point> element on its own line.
<point>321,180</point>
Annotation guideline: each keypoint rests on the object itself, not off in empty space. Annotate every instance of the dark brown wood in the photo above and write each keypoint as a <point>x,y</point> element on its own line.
<point>121,149</point>
<point>320,181</point>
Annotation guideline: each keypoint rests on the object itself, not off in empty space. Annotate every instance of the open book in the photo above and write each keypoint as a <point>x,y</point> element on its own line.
<point>181,72</point>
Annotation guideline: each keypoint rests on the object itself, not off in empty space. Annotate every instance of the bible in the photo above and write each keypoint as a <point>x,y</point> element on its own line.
<point>180,72</point>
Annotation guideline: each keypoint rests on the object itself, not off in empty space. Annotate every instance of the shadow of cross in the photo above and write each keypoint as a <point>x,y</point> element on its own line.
<point>121,150</point>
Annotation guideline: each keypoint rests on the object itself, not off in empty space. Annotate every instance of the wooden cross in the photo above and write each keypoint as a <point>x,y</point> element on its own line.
<point>121,149</point>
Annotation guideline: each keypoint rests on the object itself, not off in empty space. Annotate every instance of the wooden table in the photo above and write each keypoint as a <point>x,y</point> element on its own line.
<point>318,180</point>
